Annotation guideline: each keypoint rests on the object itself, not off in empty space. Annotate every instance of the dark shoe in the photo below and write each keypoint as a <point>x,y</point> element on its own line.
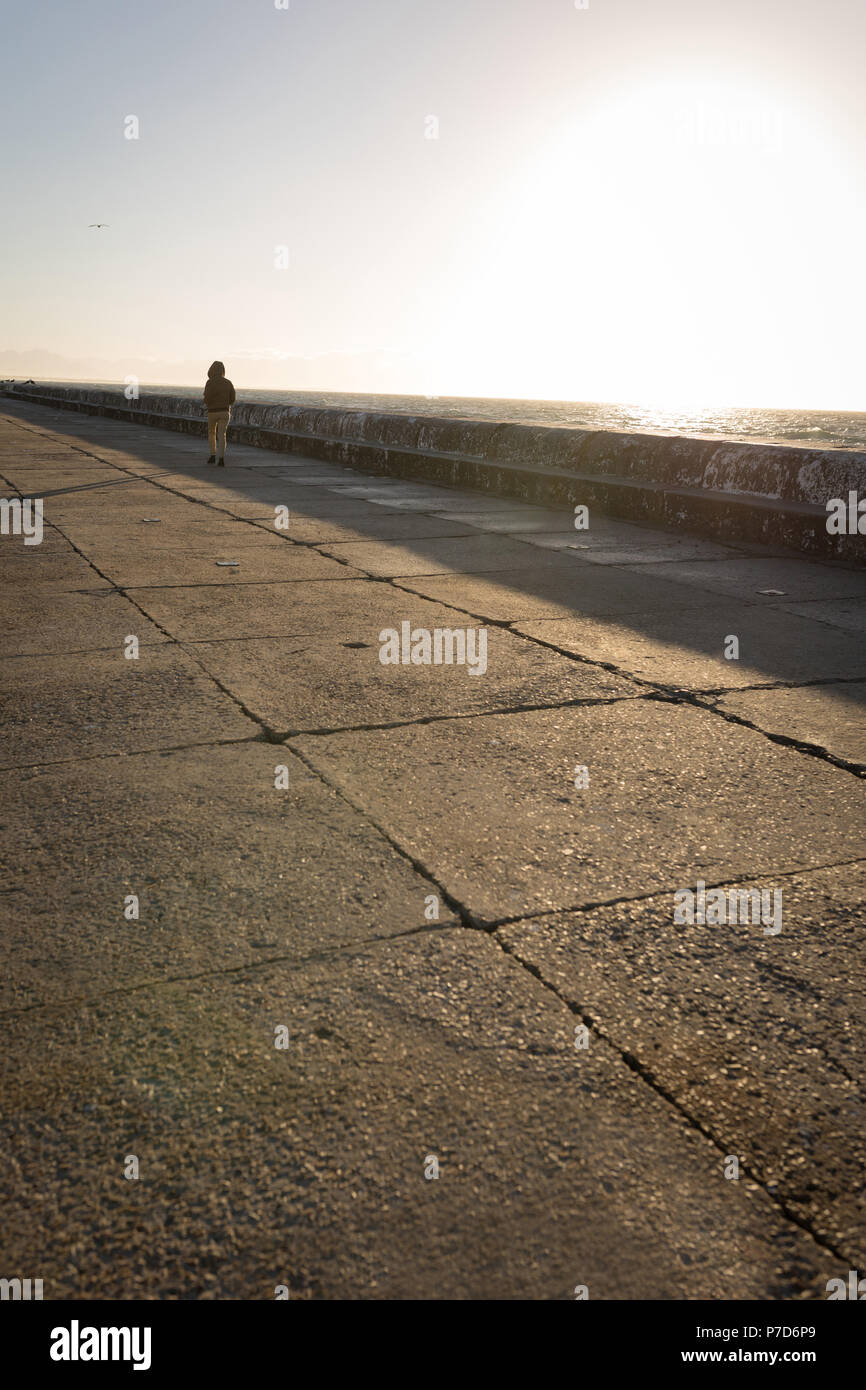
<point>221,463</point>
<point>212,458</point>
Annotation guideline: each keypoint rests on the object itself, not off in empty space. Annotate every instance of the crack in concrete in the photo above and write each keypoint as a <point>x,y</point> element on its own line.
<point>811,750</point>
<point>423,719</point>
<point>749,878</point>
<point>719,691</point>
<point>85,651</point>
<point>294,962</point>
<point>45,764</point>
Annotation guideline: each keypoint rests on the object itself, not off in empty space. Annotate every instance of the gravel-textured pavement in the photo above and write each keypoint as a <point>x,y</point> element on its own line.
<point>374,980</point>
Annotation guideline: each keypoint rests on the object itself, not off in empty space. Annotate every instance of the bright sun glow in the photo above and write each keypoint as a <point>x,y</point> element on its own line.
<point>670,248</point>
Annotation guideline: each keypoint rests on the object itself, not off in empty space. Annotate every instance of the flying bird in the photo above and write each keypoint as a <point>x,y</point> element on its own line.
<point>99,224</point>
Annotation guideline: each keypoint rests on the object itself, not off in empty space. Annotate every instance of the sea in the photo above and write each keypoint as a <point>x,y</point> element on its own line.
<point>814,429</point>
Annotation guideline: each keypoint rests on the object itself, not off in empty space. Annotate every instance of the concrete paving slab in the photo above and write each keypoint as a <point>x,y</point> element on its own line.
<point>655,554</point>
<point>242,486</point>
<point>256,483</point>
<point>45,567</point>
<point>87,475</point>
<point>556,1168</point>
<point>459,555</point>
<point>266,461</point>
<point>258,564</point>
<point>610,545</point>
<point>517,518</point>
<point>193,479</point>
<point>556,592</point>
<point>293,466</point>
<point>58,478</point>
<point>35,449</point>
<point>793,579</point>
<point>187,465</point>
<point>318,504</point>
<point>674,796</point>
<point>760,1038</point>
<point>299,683</point>
<point>349,610</point>
<point>415,497</point>
<point>70,622</point>
<point>254,510</point>
<point>846,613</point>
<point>43,455</point>
<point>685,647</point>
<point>550,540</point>
<point>322,477</point>
<point>113,502</point>
<point>830,717</point>
<point>63,707</point>
<point>13,546</point>
<point>24,444</point>
<point>83,506</point>
<point>114,486</point>
<point>164,530</point>
<point>372,524</point>
<point>229,871</point>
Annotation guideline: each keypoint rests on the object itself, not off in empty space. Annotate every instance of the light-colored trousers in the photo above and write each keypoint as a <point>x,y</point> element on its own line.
<point>217,422</point>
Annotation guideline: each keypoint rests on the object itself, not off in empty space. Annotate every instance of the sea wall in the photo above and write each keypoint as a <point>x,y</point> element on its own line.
<point>748,492</point>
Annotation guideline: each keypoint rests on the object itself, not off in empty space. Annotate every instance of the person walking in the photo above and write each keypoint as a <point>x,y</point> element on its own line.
<point>219,397</point>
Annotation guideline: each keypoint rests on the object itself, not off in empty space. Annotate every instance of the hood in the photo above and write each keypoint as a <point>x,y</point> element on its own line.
<point>216,369</point>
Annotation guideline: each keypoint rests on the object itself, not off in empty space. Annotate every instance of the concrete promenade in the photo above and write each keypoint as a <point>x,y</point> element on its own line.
<point>401,918</point>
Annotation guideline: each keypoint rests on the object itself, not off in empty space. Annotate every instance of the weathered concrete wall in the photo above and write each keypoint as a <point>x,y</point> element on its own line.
<point>758,492</point>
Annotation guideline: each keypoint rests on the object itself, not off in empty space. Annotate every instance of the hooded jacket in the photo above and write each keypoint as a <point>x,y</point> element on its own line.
<point>219,393</point>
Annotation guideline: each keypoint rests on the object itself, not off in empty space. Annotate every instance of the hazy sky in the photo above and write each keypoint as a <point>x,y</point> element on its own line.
<point>645,200</point>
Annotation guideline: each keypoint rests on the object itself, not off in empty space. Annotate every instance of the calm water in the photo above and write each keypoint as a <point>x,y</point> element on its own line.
<point>817,429</point>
